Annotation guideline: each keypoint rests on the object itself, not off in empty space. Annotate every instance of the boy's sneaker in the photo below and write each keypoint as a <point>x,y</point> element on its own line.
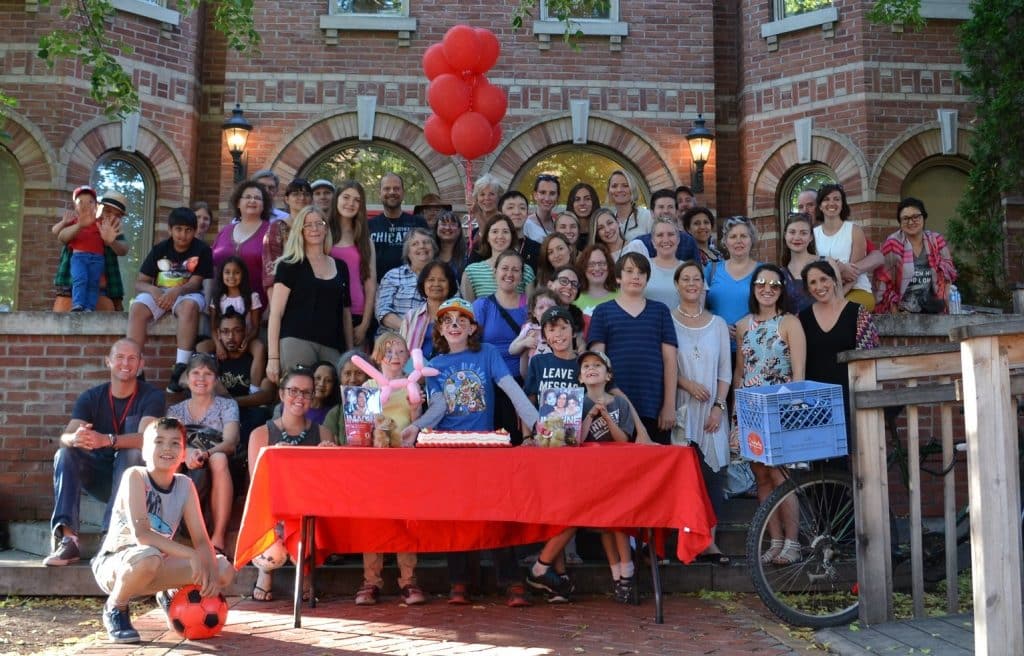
<point>413,596</point>
<point>625,590</point>
<point>118,624</point>
<point>174,384</point>
<point>163,599</point>
<point>65,554</point>
<point>550,582</point>
<point>367,595</point>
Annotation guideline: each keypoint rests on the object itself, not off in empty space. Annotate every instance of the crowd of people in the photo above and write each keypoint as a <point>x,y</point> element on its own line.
<point>658,314</point>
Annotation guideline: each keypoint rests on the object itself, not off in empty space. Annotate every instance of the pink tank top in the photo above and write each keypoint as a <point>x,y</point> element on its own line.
<point>350,256</point>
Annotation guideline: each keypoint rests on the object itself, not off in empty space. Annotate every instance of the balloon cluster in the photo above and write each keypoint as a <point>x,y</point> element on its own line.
<point>411,384</point>
<point>467,108</point>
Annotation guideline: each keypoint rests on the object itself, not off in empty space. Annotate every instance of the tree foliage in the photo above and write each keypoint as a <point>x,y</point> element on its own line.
<point>86,39</point>
<point>991,48</point>
<point>564,11</point>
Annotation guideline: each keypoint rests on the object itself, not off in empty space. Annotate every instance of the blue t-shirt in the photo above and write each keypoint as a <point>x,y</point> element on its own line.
<point>548,371</point>
<point>467,381</point>
<point>94,407</point>
<point>633,344</point>
<point>497,331</point>
<point>727,297</point>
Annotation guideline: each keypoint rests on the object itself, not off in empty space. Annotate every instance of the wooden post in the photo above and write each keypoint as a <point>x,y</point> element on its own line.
<point>914,482</point>
<point>871,501</point>
<point>949,506</point>
<point>994,494</point>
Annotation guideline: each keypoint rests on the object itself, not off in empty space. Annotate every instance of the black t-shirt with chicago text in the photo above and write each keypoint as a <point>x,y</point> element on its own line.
<point>388,237</point>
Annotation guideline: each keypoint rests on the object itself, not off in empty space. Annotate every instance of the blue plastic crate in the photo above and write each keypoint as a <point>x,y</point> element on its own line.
<point>795,422</point>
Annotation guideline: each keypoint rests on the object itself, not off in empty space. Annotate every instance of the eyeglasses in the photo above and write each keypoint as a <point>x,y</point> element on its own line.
<point>562,280</point>
<point>913,218</point>
<point>774,284</point>
<point>296,393</point>
<point>316,225</point>
<point>248,197</point>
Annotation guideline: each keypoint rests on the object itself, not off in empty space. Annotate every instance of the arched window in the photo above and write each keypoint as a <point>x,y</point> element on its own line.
<point>940,183</point>
<point>368,163</point>
<point>128,175</point>
<point>575,163</point>
<point>12,190</point>
<point>812,176</point>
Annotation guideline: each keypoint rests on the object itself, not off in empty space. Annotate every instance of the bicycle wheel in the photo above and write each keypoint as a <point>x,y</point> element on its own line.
<point>821,589</point>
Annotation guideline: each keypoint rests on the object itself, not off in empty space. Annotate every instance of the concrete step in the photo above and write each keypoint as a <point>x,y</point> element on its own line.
<point>23,574</point>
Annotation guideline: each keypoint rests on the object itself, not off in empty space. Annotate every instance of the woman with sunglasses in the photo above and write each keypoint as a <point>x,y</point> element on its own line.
<point>546,190</point>
<point>842,240</point>
<point>451,242</point>
<point>773,351</point>
<point>918,267</point>
<point>729,281</point>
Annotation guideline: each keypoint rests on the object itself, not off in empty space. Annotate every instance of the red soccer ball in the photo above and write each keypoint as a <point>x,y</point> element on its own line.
<point>195,617</point>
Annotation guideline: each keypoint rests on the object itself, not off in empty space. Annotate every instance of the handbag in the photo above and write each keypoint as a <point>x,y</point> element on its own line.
<point>202,437</point>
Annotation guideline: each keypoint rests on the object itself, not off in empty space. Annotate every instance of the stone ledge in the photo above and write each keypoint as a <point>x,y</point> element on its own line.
<point>72,324</point>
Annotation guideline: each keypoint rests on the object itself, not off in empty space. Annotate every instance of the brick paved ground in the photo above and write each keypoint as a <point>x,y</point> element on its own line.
<point>593,625</point>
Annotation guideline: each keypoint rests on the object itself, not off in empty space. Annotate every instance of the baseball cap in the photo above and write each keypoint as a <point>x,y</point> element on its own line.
<point>84,189</point>
<point>322,183</point>
<point>115,200</point>
<point>554,313</point>
<point>600,355</point>
<point>460,305</point>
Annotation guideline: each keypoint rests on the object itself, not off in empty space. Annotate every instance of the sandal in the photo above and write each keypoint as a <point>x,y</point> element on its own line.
<point>220,552</point>
<point>790,554</point>
<point>773,551</point>
<point>260,593</point>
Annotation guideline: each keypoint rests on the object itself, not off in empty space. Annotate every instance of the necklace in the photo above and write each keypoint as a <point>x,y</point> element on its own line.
<point>293,440</point>
<point>679,308</point>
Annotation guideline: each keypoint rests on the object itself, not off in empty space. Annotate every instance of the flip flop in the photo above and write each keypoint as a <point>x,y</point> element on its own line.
<point>260,593</point>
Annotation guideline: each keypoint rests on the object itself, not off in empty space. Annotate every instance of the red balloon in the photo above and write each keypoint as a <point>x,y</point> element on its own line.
<point>472,135</point>
<point>439,135</point>
<point>462,48</point>
<point>490,101</point>
<point>495,138</point>
<point>489,50</point>
<point>435,63</point>
<point>449,97</point>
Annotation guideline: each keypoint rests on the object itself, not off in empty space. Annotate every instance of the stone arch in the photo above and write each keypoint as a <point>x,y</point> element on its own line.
<point>30,148</point>
<point>312,138</point>
<point>907,151</point>
<point>546,132</point>
<point>89,141</point>
<point>830,148</point>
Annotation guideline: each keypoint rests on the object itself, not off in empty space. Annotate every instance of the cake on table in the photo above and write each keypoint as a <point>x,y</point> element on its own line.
<point>432,438</point>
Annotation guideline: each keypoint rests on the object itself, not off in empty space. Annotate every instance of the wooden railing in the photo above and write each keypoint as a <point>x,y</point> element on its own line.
<point>973,370</point>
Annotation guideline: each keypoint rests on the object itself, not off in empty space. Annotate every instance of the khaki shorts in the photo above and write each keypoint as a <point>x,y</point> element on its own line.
<point>106,566</point>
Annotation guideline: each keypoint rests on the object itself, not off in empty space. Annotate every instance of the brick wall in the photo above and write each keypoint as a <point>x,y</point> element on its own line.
<point>46,361</point>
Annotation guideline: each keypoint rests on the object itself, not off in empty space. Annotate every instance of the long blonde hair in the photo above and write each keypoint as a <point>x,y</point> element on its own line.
<point>295,246</point>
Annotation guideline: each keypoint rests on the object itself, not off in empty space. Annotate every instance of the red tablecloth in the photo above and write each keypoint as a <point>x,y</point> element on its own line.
<point>423,500</point>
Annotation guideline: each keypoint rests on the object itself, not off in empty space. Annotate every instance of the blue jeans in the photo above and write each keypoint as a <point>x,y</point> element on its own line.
<point>86,270</point>
<point>98,471</point>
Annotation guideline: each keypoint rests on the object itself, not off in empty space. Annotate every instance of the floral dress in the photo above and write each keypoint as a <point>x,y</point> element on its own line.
<point>765,354</point>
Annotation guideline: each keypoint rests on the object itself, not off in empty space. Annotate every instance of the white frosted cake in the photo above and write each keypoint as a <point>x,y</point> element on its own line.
<point>431,438</point>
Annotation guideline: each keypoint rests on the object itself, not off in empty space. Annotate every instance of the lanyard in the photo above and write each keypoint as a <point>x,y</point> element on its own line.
<point>119,423</point>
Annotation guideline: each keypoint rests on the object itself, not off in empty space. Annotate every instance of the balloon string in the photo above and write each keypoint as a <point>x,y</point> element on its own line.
<point>469,206</point>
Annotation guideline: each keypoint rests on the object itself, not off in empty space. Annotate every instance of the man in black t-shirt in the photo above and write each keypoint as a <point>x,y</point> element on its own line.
<point>389,229</point>
<point>171,281</point>
<point>100,442</point>
<point>243,376</point>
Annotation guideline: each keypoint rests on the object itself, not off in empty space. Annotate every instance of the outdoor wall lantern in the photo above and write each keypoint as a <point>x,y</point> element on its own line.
<point>236,129</point>
<point>700,139</point>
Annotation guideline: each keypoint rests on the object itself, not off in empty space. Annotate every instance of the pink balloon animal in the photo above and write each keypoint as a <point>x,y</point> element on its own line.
<point>411,384</point>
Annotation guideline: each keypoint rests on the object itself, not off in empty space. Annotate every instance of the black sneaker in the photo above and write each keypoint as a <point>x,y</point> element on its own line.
<point>562,597</point>
<point>65,554</point>
<point>174,385</point>
<point>626,591</point>
<point>118,624</point>
<point>163,598</point>
<point>550,582</point>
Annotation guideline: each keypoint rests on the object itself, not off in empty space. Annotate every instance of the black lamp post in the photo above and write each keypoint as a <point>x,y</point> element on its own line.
<point>236,129</point>
<point>700,139</point>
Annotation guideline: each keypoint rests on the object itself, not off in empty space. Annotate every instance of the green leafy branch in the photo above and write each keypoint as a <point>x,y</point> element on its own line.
<point>897,12</point>
<point>565,11</point>
<point>111,86</point>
